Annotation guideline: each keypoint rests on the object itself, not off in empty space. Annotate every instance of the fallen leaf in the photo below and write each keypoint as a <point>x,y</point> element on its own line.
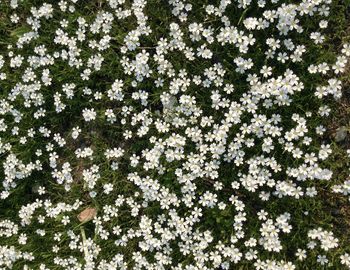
<point>87,214</point>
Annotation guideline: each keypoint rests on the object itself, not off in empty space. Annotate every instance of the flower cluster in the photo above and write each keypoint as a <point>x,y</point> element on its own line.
<point>177,133</point>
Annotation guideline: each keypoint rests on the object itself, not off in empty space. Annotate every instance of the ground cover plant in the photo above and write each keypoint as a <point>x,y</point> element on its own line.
<point>179,134</point>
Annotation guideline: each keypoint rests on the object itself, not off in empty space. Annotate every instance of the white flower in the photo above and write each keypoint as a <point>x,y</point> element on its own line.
<point>89,114</point>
